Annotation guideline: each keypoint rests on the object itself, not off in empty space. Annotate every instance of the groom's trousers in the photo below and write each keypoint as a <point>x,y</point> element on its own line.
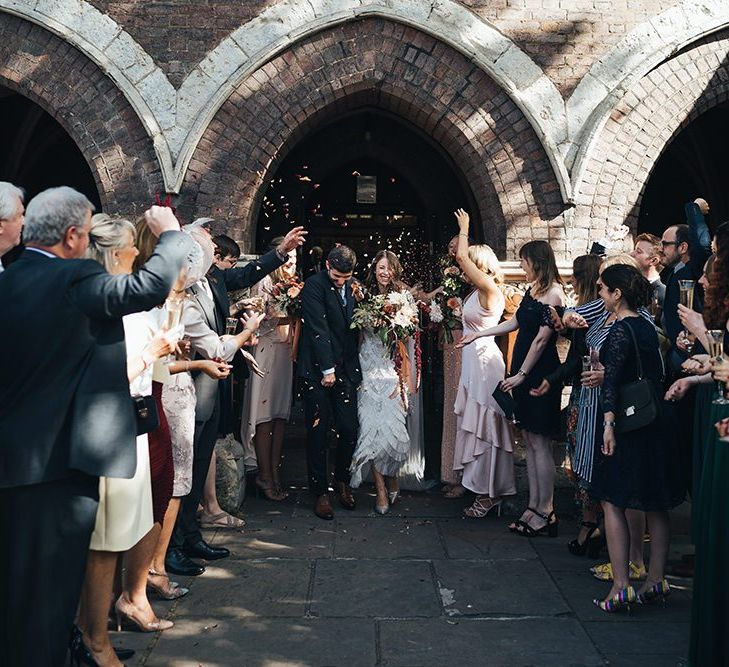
<point>322,405</point>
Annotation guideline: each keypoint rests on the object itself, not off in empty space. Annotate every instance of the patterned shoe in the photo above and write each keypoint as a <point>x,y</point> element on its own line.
<point>619,602</point>
<point>604,572</point>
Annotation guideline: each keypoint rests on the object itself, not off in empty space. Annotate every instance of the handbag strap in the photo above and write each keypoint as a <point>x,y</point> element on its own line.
<point>637,351</point>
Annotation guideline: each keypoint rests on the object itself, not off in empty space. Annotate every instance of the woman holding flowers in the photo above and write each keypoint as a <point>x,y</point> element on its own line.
<point>267,400</point>
<point>483,448</point>
<point>387,316</point>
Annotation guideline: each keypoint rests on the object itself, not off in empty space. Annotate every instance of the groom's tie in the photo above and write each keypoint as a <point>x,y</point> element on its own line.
<point>343,295</point>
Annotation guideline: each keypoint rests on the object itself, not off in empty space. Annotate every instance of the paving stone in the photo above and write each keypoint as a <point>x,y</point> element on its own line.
<point>654,638</point>
<point>240,589</point>
<point>266,642</point>
<point>374,588</point>
<point>542,642</point>
<point>388,538</point>
<point>498,587</point>
<point>479,539</point>
<point>280,537</point>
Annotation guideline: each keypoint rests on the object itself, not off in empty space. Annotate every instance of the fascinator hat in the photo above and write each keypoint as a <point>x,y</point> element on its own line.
<point>200,258</point>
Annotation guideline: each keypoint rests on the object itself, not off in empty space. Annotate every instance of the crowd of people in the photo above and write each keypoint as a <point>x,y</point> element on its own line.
<point>108,423</point>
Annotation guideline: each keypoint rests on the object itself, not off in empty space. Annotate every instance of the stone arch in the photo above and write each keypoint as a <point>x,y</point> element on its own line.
<point>642,125</point>
<point>645,47</point>
<point>376,62</point>
<point>64,82</point>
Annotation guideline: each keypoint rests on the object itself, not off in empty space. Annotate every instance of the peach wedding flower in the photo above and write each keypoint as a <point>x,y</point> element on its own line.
<point>293,292</point>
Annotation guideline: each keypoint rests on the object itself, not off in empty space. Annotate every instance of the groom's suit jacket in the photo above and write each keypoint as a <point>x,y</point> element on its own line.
<point>327,341</point>
<point>64,393</point>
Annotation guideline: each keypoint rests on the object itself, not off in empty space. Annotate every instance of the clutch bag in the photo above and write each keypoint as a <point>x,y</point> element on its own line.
<point>506,402</point>
<point>145,410</point>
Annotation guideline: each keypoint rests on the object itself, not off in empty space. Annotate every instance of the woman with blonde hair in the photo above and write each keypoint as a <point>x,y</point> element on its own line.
<point>484,450</point>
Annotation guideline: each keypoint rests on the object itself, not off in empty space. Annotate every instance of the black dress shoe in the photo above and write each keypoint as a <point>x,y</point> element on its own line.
<point>202,549</point>
<point>178,563</point>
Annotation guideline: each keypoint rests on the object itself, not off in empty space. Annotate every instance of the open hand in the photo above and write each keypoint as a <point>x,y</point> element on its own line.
<point>253,364</point>
<point>292,240</point>
<point>463,219</point>
<point>252,321</point>
<point>466,340</point>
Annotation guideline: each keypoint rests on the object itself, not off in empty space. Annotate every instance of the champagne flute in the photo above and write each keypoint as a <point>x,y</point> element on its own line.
<point>716,352</point>
<point>686,296</point>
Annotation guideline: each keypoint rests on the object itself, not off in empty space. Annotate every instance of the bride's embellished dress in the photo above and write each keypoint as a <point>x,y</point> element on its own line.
<point>383,436</point>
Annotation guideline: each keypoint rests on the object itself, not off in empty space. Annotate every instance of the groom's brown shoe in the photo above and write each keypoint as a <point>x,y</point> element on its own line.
<point>323,507</point>
<point>344,495</point>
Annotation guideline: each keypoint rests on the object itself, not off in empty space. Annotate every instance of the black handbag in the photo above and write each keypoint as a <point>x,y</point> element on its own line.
<point>506,402</point>
<point>145,410</point>
<point>637,403</point>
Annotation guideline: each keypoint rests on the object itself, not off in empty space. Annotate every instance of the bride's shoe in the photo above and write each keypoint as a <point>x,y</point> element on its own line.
<point>383,509</point>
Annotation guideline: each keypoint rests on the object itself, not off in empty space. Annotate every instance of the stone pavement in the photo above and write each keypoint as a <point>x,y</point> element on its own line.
<point>419,587</point>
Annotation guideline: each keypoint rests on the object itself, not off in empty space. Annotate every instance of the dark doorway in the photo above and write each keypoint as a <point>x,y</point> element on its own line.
<point>370,181</point>
<point>37,152</point>
<point>693,165</point>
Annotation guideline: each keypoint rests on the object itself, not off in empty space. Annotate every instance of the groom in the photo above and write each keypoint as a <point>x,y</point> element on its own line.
<point>329,365</point>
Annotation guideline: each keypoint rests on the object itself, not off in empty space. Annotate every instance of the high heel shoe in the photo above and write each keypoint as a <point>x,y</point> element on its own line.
<point>79,654</point>
<point>481,507</point>
<point>128,613</point>
<point>621,600</point>
<point>550,528</point>
<point>383,509</point>
<point>659,591</point>
<point>392,496</point>
<point>268,490</point>
<point>172,591</point>
<point>591,545</point>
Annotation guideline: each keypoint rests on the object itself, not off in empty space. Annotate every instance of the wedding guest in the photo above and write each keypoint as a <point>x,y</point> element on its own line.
<point>210,296</point>
<point>635,469</point>
<point>12,212</point>
<point>383,441</point>
<point>647,253</point>
<point>267,400</point>
<point>51,463</point>
<point>452,487</point>
<point>227,252</point>
<point>585,272</point>
<point>124,521</point>
<point>535,356</point>
<point>484,450</point>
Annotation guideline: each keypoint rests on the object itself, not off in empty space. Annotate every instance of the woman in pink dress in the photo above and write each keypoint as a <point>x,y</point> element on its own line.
<point>484,448</point>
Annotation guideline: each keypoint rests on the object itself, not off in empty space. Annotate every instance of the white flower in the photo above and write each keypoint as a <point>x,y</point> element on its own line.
<point>399,298</point>
<point>402,319</point>
<point>436,314</point>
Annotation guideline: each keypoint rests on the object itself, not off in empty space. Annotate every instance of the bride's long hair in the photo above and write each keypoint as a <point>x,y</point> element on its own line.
<point>396,283</point>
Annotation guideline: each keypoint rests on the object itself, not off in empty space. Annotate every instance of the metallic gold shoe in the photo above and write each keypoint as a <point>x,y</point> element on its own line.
<point>604,572</point>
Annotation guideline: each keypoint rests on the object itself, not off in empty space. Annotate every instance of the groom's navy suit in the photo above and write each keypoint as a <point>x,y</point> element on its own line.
<point>327,342</point>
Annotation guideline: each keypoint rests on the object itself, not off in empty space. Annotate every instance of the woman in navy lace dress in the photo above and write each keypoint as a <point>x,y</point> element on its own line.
<point>534,357</point>
<point>636,469</point>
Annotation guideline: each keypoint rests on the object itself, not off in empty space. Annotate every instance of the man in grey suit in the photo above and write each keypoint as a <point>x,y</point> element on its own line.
<point>66,416</point>
<point>11,217</point>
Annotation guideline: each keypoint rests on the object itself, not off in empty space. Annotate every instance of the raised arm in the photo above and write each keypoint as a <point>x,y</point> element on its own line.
<point>478,278</point>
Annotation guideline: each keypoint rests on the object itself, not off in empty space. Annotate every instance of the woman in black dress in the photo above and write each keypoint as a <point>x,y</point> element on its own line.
<point>534,357</point>
<point>636,469</point>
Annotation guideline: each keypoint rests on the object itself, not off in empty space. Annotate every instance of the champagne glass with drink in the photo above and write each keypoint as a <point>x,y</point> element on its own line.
<point>173,306</point>
<point>231,324</point>
<point>716,352</point>
<point>686,296</point>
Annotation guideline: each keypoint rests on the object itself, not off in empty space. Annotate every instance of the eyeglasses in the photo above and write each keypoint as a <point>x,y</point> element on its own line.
<point>665,243</point>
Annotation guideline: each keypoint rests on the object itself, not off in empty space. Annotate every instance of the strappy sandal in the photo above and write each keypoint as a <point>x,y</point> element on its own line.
<point>479,510</point>
<point>513,527</point>
<point>220,520</point>
<point>550,528</point>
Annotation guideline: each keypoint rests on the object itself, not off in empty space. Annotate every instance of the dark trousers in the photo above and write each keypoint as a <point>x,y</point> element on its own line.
<point>322,405</point>
<point>45,531</point>
<point>187,531</point>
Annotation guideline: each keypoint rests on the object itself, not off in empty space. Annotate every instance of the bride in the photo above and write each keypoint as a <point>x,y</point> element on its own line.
<point>383,439</point>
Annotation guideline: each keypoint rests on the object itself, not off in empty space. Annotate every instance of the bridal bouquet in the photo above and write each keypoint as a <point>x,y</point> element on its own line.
<point>448,308</point>
<point>394,317</point>
<point>286,296</point>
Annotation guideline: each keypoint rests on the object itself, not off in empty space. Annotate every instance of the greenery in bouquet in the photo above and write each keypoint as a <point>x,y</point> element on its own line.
<point>286,296</point>
<point>393,317</point>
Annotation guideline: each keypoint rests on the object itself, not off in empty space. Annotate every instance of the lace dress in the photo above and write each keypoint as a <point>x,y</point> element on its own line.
<point>383,437</point>
<point>484,449</point>
<point>644,471</point>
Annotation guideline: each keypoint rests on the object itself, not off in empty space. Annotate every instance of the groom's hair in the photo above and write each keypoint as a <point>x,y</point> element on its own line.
<point>342,258</point>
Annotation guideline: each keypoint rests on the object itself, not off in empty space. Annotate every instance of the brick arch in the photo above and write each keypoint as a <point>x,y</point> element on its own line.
<point>640,128</point>
<point>65,83</point>
<point>380,63</point>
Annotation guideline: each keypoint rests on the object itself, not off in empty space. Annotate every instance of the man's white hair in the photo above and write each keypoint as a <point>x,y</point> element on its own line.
<point>9,195</point>
<point>52,212</point>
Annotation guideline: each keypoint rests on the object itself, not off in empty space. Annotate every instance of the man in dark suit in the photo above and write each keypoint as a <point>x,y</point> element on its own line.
<point>213,397</point>
<point>684,251</point>
<point>329,365</point>
<point>66,416</point>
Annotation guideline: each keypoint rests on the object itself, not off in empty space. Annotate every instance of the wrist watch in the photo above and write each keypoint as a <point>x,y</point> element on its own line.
<point>608,424</point>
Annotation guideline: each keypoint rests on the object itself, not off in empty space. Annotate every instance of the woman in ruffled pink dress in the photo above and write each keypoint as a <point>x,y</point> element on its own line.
<point>484,448</point>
